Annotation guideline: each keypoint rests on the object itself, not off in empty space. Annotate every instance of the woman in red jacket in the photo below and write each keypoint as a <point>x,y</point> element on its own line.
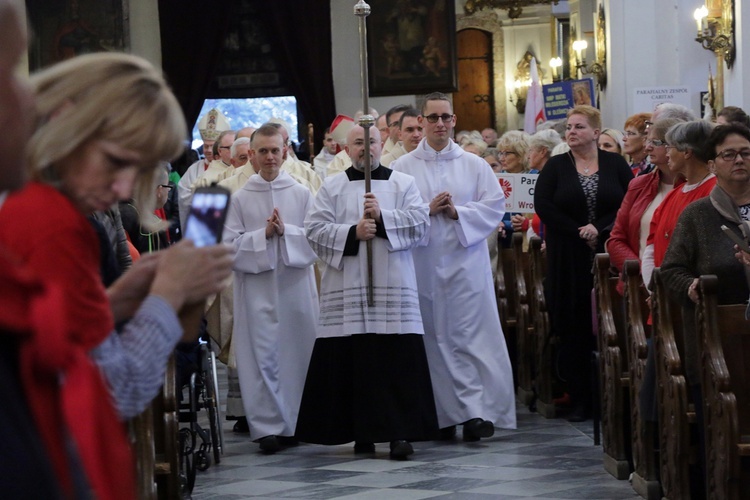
<point>628,238</point>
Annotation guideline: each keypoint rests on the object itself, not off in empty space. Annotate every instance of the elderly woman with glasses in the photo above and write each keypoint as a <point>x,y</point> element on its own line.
<point>577,196</point>
<point>632,226</point>
<point>539,152</point>
<point>687,156</point>
<point>700,247</point>
<point>512,148</point>
<point>634,143</point>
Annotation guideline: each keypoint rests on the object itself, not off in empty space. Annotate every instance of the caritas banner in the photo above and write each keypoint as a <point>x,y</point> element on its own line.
<point>519,191</point>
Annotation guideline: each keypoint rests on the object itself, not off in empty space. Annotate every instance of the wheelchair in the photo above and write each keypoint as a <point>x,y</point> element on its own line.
<point>201,438</point>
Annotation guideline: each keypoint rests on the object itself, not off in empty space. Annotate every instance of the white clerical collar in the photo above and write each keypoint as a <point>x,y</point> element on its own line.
<point>447,147</point>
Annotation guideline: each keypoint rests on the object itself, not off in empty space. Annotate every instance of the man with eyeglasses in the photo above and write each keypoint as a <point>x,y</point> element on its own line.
<point>210,126</point>
<point>221,167</point>
<point>469,363</point>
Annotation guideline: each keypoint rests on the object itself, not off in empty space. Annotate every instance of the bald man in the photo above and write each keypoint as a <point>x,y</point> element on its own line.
<point>348,395</point>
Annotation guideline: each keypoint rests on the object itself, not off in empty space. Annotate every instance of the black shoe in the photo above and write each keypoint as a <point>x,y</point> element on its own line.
<point>400,449</point>
<point>269,444</point>
<point>364,447</point>
<point>447,433</point>
<point>477,428</point>
<point>241,426</point>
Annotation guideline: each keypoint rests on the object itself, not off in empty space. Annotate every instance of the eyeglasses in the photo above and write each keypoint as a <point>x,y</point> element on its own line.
<point>434,118</point>
<point>670,147</point>
<point>504,153</point>
<point>731,154</point>
<point>656,142</point>
<point>225,147</point>
<point>165,186</point>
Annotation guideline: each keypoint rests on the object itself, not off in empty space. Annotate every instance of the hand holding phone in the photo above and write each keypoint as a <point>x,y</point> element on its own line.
<point>744,246</point>
<point>208,211</point>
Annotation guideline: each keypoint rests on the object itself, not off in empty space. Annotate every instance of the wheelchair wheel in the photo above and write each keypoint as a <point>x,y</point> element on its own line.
<point>217,399</point>
<point>202,460</point>
<point>212,405</point>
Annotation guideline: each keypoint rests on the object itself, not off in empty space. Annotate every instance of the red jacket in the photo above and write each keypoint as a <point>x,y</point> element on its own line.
<point>625,237</point>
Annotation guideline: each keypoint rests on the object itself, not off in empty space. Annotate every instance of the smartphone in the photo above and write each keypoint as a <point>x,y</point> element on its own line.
<point>738,240</point>
<point>208,211</point>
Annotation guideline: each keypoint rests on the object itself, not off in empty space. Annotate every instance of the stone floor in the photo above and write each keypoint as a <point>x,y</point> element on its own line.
<point>542,459</point>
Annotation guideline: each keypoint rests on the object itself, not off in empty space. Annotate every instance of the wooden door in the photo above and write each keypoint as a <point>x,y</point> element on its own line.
<point>473,103</point>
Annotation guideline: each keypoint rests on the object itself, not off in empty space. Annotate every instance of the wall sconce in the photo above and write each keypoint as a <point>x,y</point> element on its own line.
<point>597,69</point>
<point>716,29</point>
<point>556,64</point>
<point>521,90</point>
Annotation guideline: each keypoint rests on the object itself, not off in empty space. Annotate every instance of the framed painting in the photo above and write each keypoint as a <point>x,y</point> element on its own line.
<point>411,47</point>
<point>66,28</point>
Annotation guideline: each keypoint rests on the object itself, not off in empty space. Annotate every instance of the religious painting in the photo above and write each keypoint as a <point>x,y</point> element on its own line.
<point>411,46</point>
<point>62,29</point>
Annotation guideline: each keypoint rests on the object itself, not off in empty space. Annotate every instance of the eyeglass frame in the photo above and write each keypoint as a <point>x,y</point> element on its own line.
<point>654,141</point>
<point>736,153</point>
<point>500,154</point>
<point>165,186</point>
<point>435,117</point>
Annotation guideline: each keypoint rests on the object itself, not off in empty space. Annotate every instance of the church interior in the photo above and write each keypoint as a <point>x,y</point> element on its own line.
<point>624,57</point>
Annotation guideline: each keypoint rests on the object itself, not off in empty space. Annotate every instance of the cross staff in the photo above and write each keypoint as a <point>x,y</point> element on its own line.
<point>362,10</point>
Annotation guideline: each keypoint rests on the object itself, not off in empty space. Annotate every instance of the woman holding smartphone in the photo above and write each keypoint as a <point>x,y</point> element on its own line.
<point>104,123</point>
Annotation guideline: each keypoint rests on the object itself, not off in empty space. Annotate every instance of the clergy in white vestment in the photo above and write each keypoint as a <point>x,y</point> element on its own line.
<point>410,132</point>
<point>469,362</point>
<point>210,126</point>
<point>326,155</point>
<point>368,380</point>
<point>275,296</point>
<point>221,167</point>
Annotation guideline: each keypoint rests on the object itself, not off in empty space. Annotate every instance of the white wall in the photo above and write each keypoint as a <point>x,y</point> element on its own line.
<point>651,43</point>
<point>145,38</point>
<point>346,62</point>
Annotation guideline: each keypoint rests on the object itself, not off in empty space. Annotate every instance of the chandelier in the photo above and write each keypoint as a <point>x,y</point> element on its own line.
<point>514,7</point>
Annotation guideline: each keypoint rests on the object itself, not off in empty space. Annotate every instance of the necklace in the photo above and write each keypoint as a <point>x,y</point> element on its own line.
<point>585,169</point>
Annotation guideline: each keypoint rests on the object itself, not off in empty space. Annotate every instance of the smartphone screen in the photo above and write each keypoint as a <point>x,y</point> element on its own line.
<point>205,221</point>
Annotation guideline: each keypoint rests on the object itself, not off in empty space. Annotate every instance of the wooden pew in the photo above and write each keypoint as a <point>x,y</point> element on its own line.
<point>613,370</point>
<point>524,327</point>
<point>645,479</point>
<point>154,440</point>
<point>507,301</point>
<point>676,415</point>
<point>544,345</point>
<point>724,340</point>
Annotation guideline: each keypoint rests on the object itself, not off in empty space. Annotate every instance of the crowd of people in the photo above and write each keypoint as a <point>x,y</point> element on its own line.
<point>343,314</point>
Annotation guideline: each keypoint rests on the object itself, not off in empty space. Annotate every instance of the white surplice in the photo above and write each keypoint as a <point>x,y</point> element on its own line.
<point>275,301</point>
<point>185,188</point>
<point>469,363</point>
<point>343,296</point>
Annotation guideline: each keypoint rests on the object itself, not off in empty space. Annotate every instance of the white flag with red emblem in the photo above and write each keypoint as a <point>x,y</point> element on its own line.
<point>534,102</point>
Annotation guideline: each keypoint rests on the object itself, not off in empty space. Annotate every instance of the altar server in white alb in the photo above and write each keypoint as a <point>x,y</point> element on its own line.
<point>368,380</point>
<point>275,296</point>
<point>469,362</point>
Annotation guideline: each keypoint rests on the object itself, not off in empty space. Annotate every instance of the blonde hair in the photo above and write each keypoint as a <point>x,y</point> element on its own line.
<point>593,116</point>
<point>518,142</point>
<point>105,96</point>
